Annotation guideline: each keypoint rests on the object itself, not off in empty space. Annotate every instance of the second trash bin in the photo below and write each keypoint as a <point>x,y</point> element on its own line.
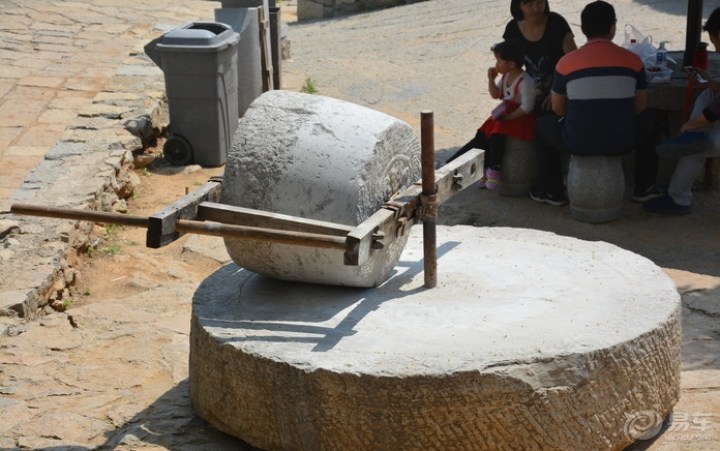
<point>199,61</point>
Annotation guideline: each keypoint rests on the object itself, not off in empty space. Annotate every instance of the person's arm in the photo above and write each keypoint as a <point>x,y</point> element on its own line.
<point>710,83</point>
<point>558,93</point>
<point>515,114</point>
<point>640,101</point>
<point>568,43</point>
<point>493,89</point>
<point>694,123</point>
<point>707,116</point>
<point>559,103</point>
<point>546,103</point>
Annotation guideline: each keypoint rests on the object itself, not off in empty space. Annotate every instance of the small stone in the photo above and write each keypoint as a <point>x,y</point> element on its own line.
<point>191,169</point>
<point>7,227</point>
<point>140,127</point>
<point>70,276</point>
<point>120,206</point>
<point>11,242</point>
<point>143,160</point>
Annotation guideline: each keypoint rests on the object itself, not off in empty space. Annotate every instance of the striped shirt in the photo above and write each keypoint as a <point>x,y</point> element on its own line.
<point>600,80</point>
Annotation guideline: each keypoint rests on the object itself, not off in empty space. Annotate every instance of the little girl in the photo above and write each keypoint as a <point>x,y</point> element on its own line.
<point>514,117</point>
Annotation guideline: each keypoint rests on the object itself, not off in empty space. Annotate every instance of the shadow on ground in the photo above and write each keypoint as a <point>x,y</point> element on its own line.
<point>687,243</point>
<point>170,422</point>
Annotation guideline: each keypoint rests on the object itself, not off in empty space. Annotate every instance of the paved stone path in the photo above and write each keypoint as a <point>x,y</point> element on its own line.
<point>63,62</point>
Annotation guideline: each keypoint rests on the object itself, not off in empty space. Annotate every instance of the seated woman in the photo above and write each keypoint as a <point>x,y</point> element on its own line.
<point>704,118</point>
<point>544,37</point>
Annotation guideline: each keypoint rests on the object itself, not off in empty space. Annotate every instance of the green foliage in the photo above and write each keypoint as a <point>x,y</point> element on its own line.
<point>309,86</point>
<point>112,229</point>
<point>113,249</point>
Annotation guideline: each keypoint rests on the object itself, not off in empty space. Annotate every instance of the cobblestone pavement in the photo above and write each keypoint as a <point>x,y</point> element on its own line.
<point>63,62</point>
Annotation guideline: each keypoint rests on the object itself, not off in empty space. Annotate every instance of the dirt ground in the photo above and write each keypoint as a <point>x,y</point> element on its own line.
<point>121,254</point>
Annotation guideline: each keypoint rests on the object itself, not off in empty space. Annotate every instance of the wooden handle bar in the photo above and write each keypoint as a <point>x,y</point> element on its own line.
<point>80,215</point>
<point>186,225</point>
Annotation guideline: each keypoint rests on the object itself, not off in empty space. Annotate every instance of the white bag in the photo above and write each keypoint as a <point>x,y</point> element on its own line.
<point>642,46</point>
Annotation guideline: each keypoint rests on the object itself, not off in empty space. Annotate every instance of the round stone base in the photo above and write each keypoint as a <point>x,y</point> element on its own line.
<point>595,185</point>
<point>519,168</point>
<point>529,341</point>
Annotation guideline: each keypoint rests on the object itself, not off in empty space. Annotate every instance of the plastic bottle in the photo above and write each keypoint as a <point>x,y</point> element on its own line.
<point>700,57</point>
<point>661,56</point>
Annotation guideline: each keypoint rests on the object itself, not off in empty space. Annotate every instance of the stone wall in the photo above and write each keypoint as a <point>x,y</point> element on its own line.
<point>319,9</point>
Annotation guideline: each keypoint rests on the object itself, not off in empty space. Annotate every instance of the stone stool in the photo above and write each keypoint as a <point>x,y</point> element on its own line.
<point>596,185</point>
<point>519,168</point>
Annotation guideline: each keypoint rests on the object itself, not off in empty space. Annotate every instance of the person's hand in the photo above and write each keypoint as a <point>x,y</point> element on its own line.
<point>492,73</point>
<point>546,105</point>
<point>696,75</point>
<point>707,82</point>
<point>703,73</point>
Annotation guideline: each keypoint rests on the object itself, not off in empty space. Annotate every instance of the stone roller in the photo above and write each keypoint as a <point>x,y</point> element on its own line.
<point>324,159</point>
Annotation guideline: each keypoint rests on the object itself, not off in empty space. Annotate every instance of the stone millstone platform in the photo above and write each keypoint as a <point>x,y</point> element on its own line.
<point>530,341</point>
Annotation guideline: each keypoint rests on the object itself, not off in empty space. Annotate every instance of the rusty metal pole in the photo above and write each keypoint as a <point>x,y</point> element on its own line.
<point>693,29</point>
<point>428,197</point>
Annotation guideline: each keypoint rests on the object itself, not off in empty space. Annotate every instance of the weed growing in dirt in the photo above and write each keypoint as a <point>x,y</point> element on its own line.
<point>309,86</point>
<point>112,229</point>
<point>113,249</point>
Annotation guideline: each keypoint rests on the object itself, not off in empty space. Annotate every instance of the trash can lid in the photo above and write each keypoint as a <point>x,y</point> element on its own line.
<point>200,36</point>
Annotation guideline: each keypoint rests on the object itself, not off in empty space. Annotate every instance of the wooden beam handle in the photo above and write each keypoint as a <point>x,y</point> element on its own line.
<point>79,215</point>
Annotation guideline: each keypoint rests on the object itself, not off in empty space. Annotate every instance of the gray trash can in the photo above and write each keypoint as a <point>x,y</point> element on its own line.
<point>199,61</point>
<point>245,21</point>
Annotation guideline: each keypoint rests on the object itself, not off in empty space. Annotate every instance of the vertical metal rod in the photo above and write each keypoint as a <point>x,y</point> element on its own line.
<point>693,30</point>
<point>275,42</point>
<point>428,197</point>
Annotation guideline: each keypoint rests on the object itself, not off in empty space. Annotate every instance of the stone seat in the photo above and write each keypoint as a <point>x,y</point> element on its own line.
<point>519,168</point>
<point>596,186</point>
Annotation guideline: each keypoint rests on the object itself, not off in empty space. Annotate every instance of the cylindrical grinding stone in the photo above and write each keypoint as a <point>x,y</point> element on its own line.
<point>318,158</point>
